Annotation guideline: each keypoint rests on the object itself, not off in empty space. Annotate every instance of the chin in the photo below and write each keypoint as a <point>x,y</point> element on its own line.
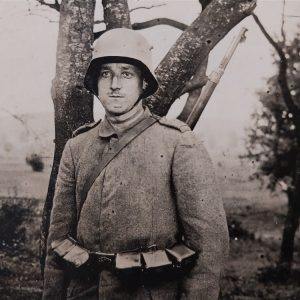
<point>117,112</point>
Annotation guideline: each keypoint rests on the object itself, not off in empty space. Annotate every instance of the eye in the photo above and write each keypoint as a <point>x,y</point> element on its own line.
<point>127,75</point>
<point>105,74</point>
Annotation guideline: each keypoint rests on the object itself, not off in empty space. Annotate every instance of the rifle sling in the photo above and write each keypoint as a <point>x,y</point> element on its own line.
<point>109,156</point>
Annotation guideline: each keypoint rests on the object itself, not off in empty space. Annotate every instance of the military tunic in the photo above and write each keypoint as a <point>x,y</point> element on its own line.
<point>159,187</point>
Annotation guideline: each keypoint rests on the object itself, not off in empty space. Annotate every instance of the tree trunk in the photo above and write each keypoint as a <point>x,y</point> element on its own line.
<point>193,46</point>
<point>292,219</point>
<point>73,105</point>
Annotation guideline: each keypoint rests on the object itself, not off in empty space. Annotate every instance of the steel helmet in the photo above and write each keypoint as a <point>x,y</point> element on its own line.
<point>125,46</point>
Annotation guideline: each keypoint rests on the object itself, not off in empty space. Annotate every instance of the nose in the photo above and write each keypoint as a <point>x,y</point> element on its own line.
<point>115,83</point>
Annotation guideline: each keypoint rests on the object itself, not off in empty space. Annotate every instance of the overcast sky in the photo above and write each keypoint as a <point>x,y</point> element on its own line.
<point>28,44</point>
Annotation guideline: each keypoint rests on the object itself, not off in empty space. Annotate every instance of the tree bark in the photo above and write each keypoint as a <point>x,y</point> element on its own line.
<point>193,46</point>
<point>116,14</point>
<point>73,105</point>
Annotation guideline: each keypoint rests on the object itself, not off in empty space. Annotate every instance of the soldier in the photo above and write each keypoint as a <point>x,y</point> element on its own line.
<point>137,213</point>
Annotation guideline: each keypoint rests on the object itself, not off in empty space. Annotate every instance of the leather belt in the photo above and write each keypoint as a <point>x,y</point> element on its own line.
<point>147,260</point>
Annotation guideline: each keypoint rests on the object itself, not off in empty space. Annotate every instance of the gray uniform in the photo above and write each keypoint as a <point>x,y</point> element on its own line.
<point>160,186</point>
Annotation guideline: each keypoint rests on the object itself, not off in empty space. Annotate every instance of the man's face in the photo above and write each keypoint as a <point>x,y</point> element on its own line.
<point>119,87</point>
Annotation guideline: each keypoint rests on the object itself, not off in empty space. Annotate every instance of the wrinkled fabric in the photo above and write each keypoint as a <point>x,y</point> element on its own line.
<point>158,188</point>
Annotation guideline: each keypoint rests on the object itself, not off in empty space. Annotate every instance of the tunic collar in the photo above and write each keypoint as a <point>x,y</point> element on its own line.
<point>106,129</point>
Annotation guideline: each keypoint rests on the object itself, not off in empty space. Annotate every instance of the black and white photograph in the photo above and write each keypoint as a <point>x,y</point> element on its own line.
<point>149,149</point>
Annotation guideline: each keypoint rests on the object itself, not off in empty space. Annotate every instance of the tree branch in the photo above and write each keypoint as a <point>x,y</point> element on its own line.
<point>193,46</point>
<point>282,23</point>
<point>150,23</point>
<point>197,82</point>
<point>159,21</point>
<point>54,5</point>
<point>133,9</point>
<point>28,129</point>
<point>204,3</point>
<point>146,7</point>
<point>200,78</point>
<point>292,16</point>
<point>44,17</point>
<point>99,22</point>
<point>282,77</point>
<point>268,37</point>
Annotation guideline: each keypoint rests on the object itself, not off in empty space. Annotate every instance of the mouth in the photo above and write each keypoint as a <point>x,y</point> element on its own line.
<point>115,96</point>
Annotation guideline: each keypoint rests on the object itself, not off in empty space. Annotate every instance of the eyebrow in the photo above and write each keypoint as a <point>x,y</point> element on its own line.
<point>104,67</point>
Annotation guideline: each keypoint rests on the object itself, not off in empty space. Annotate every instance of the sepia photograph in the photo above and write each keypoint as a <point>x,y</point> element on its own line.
<point>150,149</point>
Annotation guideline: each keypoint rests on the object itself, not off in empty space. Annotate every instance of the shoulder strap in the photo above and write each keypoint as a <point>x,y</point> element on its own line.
<point>109,156</point>
<point>85,128</point>
<point>174,123</point>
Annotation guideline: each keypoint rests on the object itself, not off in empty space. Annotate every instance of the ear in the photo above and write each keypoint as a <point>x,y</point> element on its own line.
<point>145,84</point>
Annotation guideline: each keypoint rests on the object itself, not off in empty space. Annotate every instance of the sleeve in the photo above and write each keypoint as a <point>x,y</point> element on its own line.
<point>202,217</point>
<point>62,223</point>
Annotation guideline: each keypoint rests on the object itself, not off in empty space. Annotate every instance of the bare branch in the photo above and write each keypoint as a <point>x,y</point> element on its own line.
<point>133,9</point>
<point>28,129</point>
<point>159,21</point>
<point>146,7</point>
<point>282,23</point>
<point>99,22</point>
<point>200,78</point>
<point>292,16</point>
<point>192,47</point>
<point>44,17</point>
<point>282,77</point>
<point>269,38</point>
<point>54,5</point>
<point>194,84</point>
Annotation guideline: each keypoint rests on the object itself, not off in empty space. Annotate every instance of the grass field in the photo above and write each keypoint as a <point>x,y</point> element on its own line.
<point>18,180</point>
<point>255,221</point>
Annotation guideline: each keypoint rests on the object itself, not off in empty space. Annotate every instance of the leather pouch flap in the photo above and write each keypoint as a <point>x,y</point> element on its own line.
<point>128,260</point>
<point>62,247</point>
<point>77,256</point>
<point>181,252</point>
<point>157,258</point>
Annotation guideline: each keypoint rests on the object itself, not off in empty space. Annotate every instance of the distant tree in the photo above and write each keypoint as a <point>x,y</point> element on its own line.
<point>274,139</point>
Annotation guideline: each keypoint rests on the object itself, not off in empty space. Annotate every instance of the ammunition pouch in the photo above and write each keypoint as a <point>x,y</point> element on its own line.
<point>70,252</point>
<point>151,266</point>
<point>143,264</point>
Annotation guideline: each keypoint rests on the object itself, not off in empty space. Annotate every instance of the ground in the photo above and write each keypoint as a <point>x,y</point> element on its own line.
<point>255,219</point>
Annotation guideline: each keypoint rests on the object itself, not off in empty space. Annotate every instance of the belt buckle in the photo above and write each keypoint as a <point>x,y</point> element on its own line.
<point>103,259</point>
